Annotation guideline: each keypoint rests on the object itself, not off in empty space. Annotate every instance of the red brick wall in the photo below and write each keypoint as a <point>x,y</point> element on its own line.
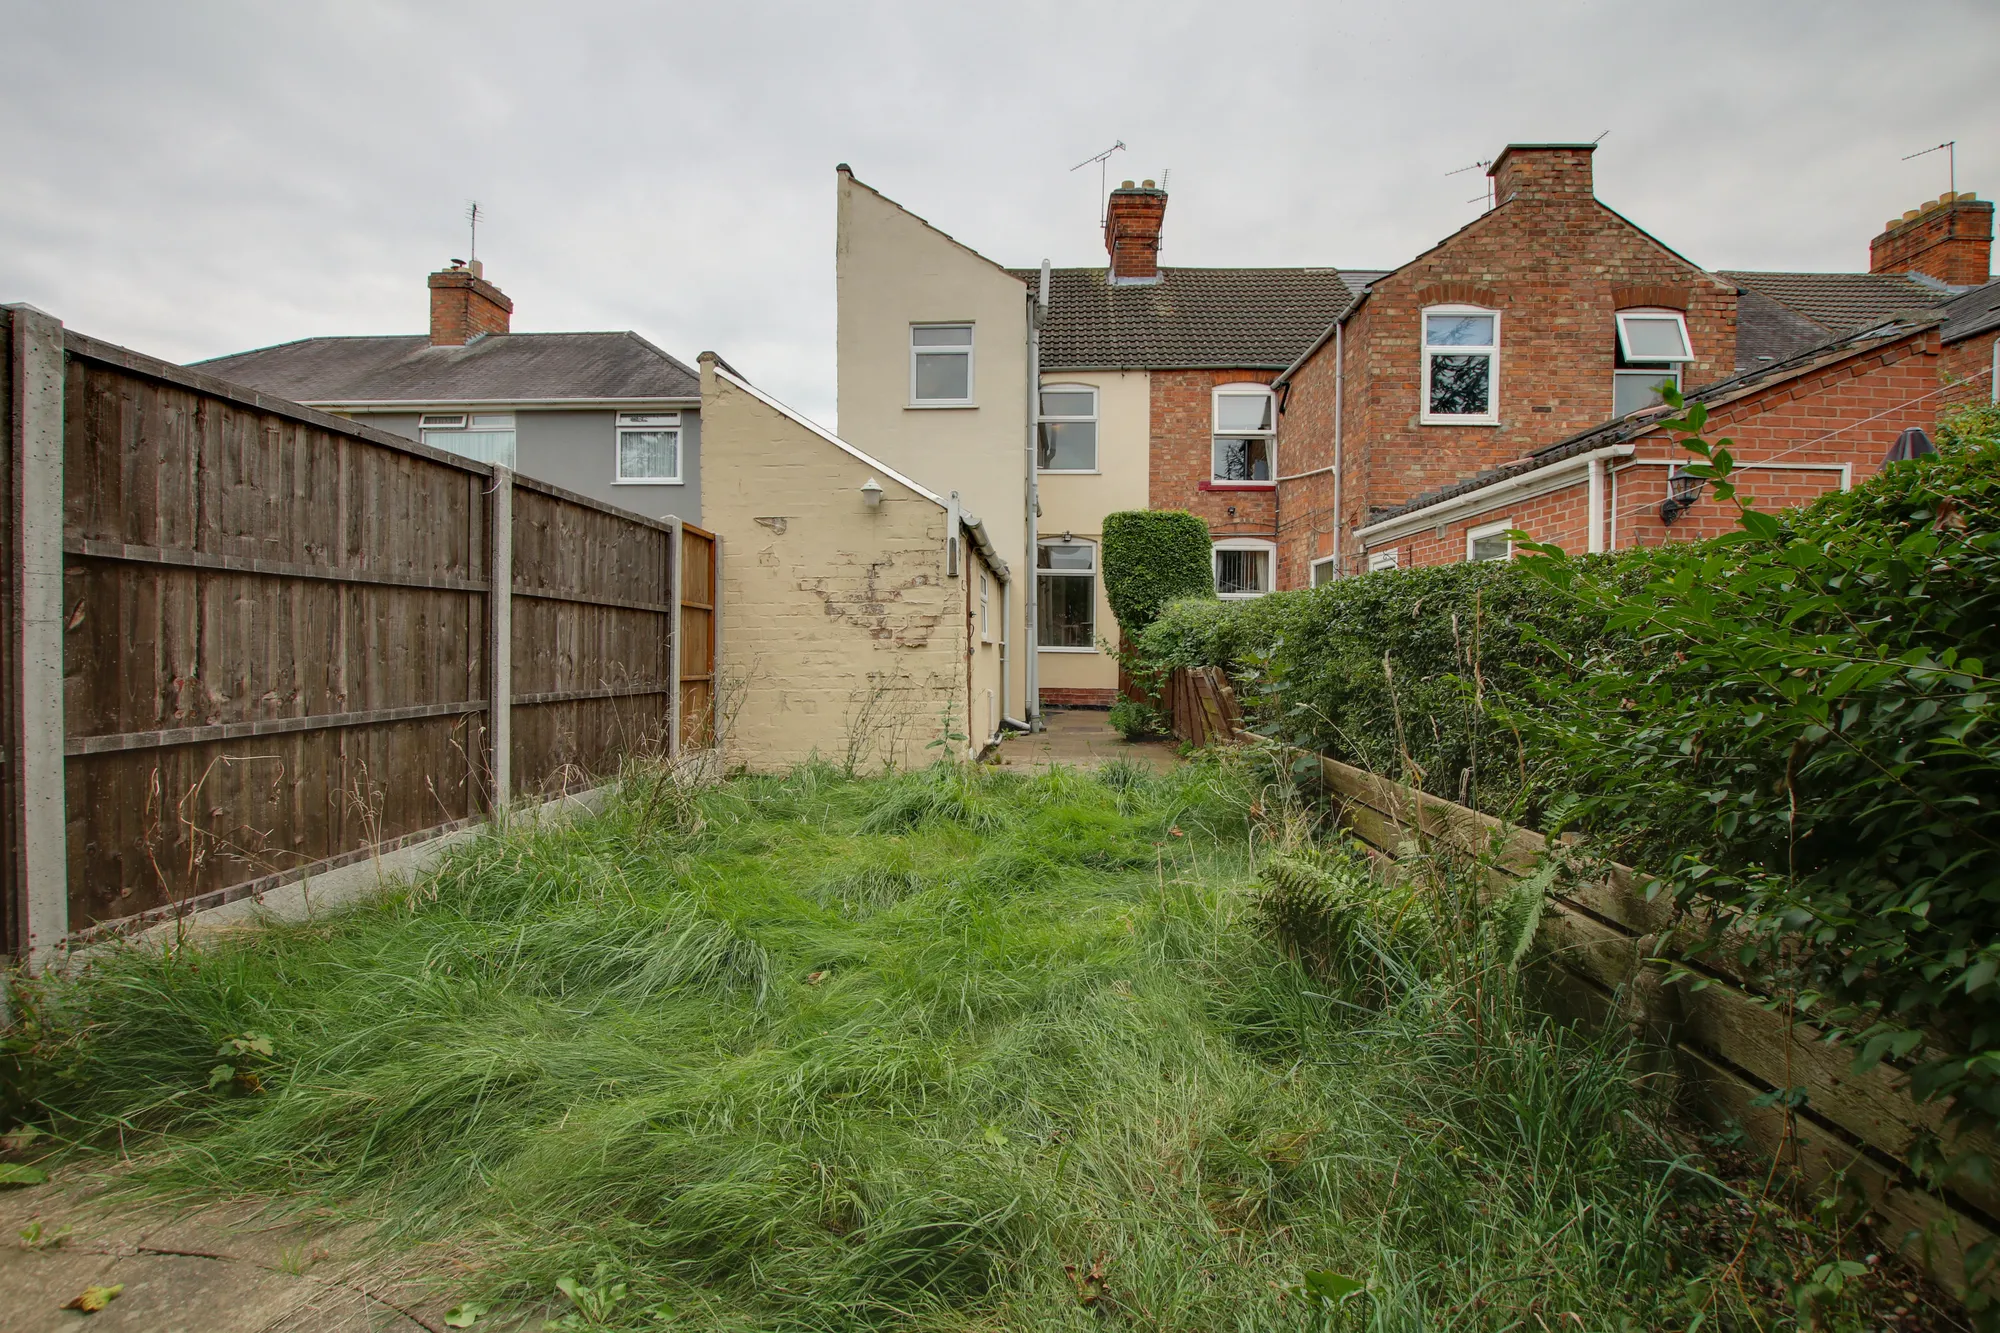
<point>1557,265</point>
<point>464,306</point>
<point>1951,240</point>
<point>1078,698</point>
<point>1966,367</point>
<point>1305,454</point>
<point>1848,413</point>
<point>1182,454</point>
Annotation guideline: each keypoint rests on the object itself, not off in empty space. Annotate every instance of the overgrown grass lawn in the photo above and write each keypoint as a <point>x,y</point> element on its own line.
<point>947,1050</point>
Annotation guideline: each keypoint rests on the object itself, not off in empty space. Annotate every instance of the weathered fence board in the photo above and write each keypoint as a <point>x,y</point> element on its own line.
<point>280,633</point>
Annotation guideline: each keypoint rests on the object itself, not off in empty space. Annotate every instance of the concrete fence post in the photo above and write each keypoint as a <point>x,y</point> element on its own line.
<point>37,557</point>
<point>676,559</point>
<point>500,639</point>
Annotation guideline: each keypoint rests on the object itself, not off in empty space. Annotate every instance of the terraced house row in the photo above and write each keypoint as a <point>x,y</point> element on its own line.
<point>1328,421</point>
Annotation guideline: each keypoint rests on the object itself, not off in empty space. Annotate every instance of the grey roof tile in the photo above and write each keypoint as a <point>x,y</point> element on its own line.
<point>501,367</point>
<point>1843,302</point>
<point>1193,318</point>
<point>1977,311</point>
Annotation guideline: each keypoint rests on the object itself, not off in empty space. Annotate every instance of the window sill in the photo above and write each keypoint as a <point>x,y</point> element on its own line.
<point>1070,471</point>
<point>939,407</point>
<point>1240,596</point>
<point>1457,421</point>
<point>1042,648</point>
<point>647,481</point>
<point>1237,486</point>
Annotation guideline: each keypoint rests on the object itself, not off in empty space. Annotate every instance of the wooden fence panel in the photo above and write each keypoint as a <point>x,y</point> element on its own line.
<point>592,636</point>
<point>701,559</point>
<point>1201,706</point>
<point>279,632</point>
<point>1733,1043</point>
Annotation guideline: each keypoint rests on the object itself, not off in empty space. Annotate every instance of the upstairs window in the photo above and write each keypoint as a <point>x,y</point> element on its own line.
<point>941,365</point>
<point>1461,366</point>
<point>1246,426</point>
<point>1650,349</point>
<point>484,437</point>
<point>649,448</point>
<point>1066,596</point>
<point>1066,439</point>
<point>1489,542</point>
<point>1243,567</point>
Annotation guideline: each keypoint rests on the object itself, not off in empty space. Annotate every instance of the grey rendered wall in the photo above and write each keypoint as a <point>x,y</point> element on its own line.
<point>396,423</point>
<point>576,450</point>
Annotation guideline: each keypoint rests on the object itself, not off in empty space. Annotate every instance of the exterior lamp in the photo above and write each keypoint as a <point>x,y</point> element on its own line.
<point>871,493</point>
<point>1683,493</point>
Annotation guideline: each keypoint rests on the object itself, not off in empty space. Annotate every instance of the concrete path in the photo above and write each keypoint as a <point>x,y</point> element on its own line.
<point>228,1268</point>
<point>1083,737</point>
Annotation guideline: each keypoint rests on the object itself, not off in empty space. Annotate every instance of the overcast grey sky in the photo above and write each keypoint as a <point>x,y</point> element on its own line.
<point>202,176</point>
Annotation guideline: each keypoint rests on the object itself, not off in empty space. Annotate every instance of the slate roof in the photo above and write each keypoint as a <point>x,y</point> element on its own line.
<point>498,368</point>
<point>1843,302</point>
<point>1193,318</point>
<point>1631,427</point>
<point>1978,311</point>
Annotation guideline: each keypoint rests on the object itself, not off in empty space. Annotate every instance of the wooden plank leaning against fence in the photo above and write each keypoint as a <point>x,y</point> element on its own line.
<point>278,642</point>
<point>1730,1043</point>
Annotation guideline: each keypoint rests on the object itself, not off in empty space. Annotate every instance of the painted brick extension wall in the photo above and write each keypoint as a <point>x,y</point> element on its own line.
<point>1557,265</point>
<point>1182,456</point>
<point>1862,402</point>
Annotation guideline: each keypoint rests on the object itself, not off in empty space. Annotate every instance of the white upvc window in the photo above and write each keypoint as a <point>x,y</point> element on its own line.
<point>485,437</point>
<point>1245,567</point>
<point>1649,351</point>
<point>1461,371</point>
<point>1381,560</point>
<point>941,365</point>
<point>1066,596</point>
<point>1323,571</point>
<point>649,449</point>
<point>985,603</point>
<point>1489,541</point>
<point>1246,432</point>
<point>1066,435</point>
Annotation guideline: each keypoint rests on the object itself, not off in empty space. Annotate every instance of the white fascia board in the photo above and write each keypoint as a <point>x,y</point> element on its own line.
<point>875,463</point>
<point>495,404</point>
<point>1526,486</point>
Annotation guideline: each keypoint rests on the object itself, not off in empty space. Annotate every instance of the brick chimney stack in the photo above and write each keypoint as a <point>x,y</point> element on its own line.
<point>465,305</point>
<point>1950,239</point>
<point>1542,171</point>
<point>1132,221</point>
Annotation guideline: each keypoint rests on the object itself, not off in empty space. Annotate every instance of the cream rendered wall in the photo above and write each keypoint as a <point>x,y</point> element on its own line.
<point>984,709</point>
<point>1077,502</point>
<point>892,270</point>
<point>841,631</point>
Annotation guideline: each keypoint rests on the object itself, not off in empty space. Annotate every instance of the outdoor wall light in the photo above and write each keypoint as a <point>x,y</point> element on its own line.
<point>1683,493</point>
<point>871,493</point>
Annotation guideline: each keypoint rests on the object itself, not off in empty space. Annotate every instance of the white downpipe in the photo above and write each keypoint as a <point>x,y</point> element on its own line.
<point>1031,673</point>
<point>1597,543</point>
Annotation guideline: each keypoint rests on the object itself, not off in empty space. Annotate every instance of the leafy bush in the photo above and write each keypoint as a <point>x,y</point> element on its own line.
<point>1799,726</point>
<point>1152,557</point>
<point>1136,721</point>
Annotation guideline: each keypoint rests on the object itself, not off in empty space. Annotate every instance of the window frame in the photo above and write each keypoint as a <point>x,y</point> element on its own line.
<point>1497,529</point>
<point>1389,557</point>
<point>1096,435</point>
<point>1653,312</point>
<point>970,352</point>
<point>620,425</point>
<point>985,605</point>
<point>1624,366</point>
<point>1269,435</point>
<point>1313,579</point>
<point>1090,574</point>
<point>1270,551</point>
<point>1426,350</point>
<point>469,423</point>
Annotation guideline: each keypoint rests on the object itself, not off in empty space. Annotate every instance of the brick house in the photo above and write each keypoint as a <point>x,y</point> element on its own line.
<point>1549,320</point>
<point>1817,421</point>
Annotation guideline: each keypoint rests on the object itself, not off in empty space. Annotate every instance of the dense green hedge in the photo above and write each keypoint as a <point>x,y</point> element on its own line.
<point>1797,726</point>
<point>1152,557</point>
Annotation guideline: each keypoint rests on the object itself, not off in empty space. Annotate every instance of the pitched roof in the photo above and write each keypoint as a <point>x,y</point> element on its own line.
<point>1843,302</point>
<point>1978,311</point>
<point>1620,430</point>
<point>498,368</point>
<point>1192,318</point>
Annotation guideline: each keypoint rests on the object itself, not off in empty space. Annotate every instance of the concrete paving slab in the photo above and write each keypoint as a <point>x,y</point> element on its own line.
<point>1083,738</point>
